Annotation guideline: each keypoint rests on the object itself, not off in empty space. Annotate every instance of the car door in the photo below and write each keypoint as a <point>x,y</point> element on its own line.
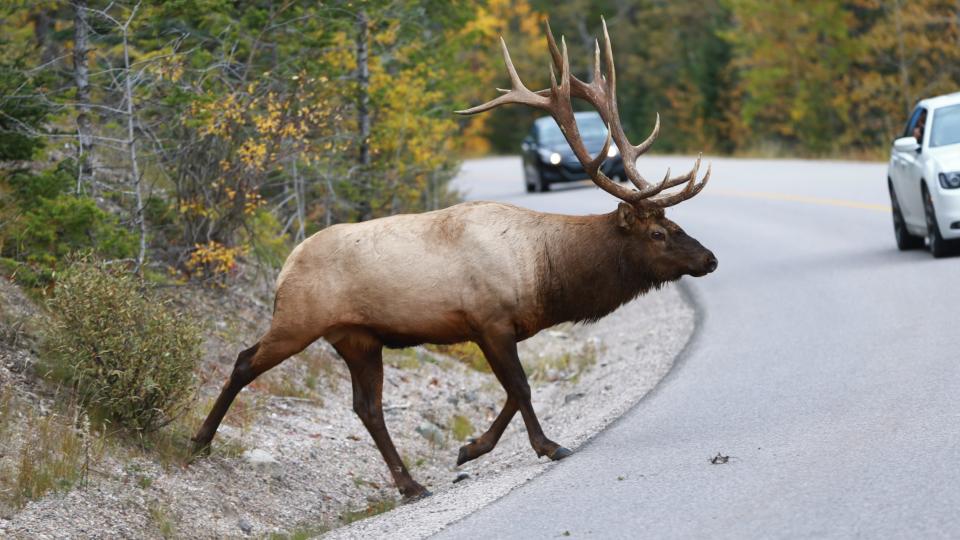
<point>907,174</point>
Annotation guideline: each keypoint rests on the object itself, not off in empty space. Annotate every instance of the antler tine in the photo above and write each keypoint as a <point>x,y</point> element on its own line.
<point>611,70</point>
<point>688,192</point>
<point>597,76</point>
<point>517,94</point>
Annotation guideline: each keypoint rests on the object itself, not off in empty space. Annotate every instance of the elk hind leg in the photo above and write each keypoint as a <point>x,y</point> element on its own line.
<point>500,348</point>
<point>363,358</point>
<point>251,363</point>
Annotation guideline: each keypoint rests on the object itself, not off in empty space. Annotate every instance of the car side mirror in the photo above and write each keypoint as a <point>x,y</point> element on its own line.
<point>906,144</point>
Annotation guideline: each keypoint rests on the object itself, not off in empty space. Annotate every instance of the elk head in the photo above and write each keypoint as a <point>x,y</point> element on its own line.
<point>656,244</point>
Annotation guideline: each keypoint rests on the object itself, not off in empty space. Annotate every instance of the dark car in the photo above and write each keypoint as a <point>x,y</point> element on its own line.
<point>548,159</point>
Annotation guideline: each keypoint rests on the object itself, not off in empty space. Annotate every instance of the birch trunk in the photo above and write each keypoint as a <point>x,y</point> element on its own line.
<point>81,77</point>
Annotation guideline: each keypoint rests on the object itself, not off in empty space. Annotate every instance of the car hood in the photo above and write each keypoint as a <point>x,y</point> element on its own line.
<point>948,157</point>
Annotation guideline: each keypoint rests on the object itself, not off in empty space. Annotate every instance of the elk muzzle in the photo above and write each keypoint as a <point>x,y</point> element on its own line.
<point>707,264</point>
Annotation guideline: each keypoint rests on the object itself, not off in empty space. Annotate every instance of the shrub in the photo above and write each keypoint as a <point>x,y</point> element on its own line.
<point>130,356</point>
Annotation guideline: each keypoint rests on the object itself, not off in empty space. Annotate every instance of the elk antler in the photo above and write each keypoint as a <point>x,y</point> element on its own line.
<point>601,93</point>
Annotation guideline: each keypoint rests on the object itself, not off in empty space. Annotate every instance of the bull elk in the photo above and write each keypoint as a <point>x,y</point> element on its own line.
<point>485,272</point>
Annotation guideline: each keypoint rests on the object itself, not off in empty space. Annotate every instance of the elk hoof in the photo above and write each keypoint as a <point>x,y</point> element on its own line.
<point>560,453</point>
<point>463,456</point>
<point>416,495</point>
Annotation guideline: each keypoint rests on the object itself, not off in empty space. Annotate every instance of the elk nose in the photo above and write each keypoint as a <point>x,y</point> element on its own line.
<point>711,263</point>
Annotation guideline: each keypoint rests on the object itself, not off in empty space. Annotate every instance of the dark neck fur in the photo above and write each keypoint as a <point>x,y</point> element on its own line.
<point>588,271</point>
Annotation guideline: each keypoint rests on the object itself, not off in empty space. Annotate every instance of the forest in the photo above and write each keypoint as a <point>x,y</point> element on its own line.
<point>184,135</point>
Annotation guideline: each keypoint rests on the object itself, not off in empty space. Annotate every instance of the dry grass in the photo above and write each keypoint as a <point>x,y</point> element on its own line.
<point>405,359</point>
<point>468,353</point>
<point>161,517</point>
<point>566,366</point>
<point>55,452</point>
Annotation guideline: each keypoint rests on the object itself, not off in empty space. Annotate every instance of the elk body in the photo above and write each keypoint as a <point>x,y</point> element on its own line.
<point>489,273</point>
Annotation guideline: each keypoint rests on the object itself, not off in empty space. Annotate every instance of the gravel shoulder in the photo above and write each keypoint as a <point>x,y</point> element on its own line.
<point>295,461</point>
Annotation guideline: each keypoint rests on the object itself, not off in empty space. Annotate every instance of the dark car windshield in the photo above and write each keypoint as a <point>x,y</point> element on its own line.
<point>591,127</point>
<point>946,126</point>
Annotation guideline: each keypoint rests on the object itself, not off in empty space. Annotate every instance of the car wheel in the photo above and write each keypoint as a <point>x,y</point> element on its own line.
<point>528,185</point>
<point>539,184</point>
<point>905,240</point>
<point>938,246</point>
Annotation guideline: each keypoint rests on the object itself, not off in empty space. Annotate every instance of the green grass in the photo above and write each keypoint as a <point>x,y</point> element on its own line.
<point>376,506</point>
<point>461,427</point>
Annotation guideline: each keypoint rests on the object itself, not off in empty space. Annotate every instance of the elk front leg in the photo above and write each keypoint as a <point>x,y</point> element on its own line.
<point>366,371</point>
<point>486,442</point>
<point>501,352</point>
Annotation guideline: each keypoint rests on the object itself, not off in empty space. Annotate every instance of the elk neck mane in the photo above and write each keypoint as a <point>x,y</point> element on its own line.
<point>586,268</point>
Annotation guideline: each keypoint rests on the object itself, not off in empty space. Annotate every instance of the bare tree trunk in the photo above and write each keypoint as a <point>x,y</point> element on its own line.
<point>132,144</point>
<point>363,104</point>
<point>81,76</point>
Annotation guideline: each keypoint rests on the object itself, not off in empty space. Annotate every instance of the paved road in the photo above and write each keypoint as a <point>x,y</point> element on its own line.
<point>826,365</point>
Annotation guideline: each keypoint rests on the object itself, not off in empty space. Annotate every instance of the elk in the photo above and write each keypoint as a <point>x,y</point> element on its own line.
<point>493,274</point>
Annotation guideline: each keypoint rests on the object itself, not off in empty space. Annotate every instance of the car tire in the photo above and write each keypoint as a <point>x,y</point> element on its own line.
<point>905,240</point>
<point>938,246</point>
<point>540,185</point>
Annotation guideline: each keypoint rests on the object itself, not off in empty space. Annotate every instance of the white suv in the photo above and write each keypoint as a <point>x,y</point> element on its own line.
<point>924,177</point>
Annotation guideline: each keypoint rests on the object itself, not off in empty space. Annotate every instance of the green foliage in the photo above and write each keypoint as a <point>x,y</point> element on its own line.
<point>43,224</point>
<point>57,227</point>
<point>22,111</point>
<point>130,355</point>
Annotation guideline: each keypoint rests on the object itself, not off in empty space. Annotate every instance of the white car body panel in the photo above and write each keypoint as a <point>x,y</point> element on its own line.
<point>910,171</point>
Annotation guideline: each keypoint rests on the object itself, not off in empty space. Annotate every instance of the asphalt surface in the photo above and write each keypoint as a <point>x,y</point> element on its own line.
<point>825,365</point>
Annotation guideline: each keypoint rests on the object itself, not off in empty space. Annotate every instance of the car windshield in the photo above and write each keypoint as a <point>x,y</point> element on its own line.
<point>946,126</point>
<point>591,127</point>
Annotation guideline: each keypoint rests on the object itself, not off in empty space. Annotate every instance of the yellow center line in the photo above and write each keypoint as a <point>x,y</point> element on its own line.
<point>799,198</point>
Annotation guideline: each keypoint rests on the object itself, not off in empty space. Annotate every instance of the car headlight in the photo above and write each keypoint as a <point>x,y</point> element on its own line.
<point>555,158</point>
<point>612,151</point>
<point>950,180</point>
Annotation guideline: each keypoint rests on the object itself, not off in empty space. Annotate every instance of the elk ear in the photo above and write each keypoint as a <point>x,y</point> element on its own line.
<point>627,215</point>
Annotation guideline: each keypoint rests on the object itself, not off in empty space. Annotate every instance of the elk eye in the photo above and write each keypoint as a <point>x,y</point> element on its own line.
<point>658,235</point>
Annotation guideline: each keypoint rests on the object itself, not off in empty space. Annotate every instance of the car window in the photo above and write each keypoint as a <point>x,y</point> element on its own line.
<point>908,131</point>
<point>591,127</point>
<point>946,126</point>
